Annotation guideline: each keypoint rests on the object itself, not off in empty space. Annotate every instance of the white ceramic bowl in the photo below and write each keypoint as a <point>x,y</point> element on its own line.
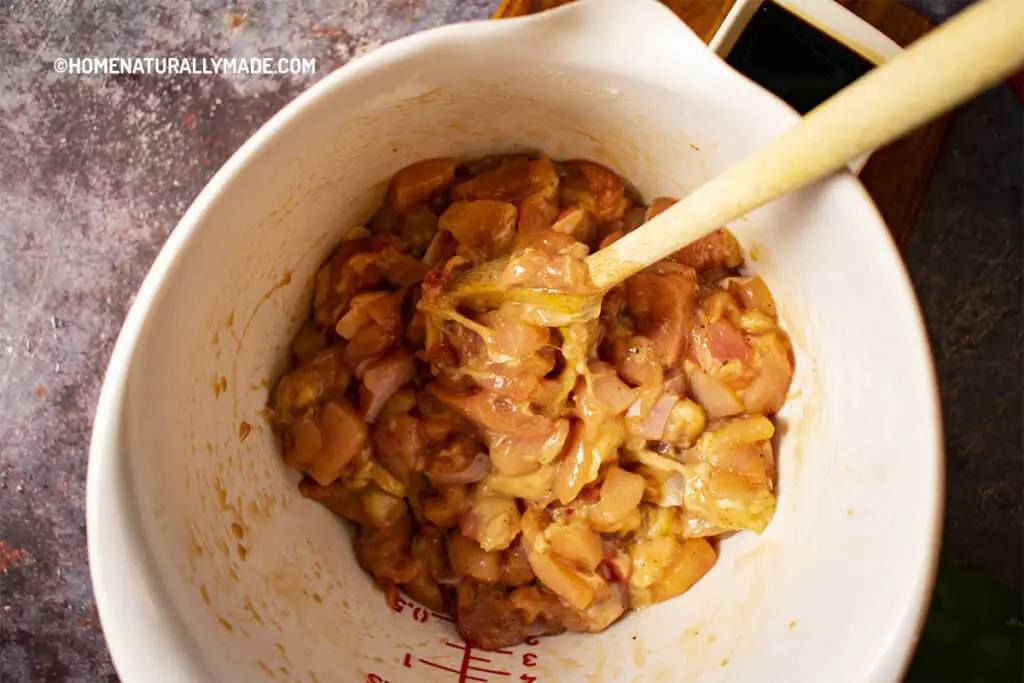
<point>207,564</point>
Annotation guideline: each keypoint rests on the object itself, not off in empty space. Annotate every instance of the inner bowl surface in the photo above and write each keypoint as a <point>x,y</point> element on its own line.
<point>209,566</point>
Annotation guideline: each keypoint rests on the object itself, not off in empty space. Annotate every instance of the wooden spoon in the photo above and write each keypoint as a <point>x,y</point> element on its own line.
<point>971,52</point>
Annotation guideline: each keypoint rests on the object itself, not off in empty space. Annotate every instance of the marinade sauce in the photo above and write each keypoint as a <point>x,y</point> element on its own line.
<point>793,59</point>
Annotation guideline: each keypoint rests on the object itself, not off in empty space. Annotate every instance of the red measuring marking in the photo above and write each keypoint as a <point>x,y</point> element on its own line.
<point>417,612</point>
<point>463,675</point>
<point>469,669</point>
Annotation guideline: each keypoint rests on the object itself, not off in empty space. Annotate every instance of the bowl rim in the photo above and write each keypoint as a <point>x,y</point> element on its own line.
<point>146,637</point>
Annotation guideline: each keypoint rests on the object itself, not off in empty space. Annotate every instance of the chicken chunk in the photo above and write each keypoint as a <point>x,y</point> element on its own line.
<point>532,458</point>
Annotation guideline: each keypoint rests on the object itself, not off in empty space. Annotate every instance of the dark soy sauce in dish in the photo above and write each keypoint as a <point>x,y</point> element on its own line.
<point>794,60</point>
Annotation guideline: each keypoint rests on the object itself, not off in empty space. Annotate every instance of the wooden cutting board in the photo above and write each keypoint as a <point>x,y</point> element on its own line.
<point>897,176</point>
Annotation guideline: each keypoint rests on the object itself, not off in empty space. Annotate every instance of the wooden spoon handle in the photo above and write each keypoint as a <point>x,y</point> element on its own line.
<point>956,61</point>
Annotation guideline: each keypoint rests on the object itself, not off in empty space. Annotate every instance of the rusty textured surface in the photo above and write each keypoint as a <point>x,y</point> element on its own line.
<point>96,171</point>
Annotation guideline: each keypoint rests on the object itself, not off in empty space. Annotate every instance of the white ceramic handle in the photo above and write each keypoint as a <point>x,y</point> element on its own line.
<point>956,61</point>
<point>826,16</point>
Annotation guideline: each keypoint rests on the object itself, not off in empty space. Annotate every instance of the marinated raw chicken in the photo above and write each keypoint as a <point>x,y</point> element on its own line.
<point>532,473</point>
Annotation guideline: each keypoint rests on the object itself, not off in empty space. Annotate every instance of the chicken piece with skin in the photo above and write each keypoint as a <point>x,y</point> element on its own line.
<point>335,284</point>
<point>496,413</point>
<point>342,500</point>
<point>326,441</point>
<point>664,567</point>
<point>620,496</point>
<point>730,475</point>
<point>591,444</point>
<point>545,614</point>
<point>547,260</point>
<point>515,456</point>
<point>483,228</point>
<point>492,520</point>
<point>539,211</point>
<point>739,361</point>
<point>515,569</point>
<point>413,185</point>
<point>430,557</point>
<point>399,438</point>
<point>659,299</point>
<point>322,375</point>
<point>379,308</point>
<point>486,618</point>
<point>458,460</point>
<point>446,506</point>
<point>564,555</point>
<point>535,487</point>
<point>512,360</point>
<point>637,361</point>
<point>594,188</point>
<point>512,182</point>
<point>387,552</point>
<point>361,265</point>
<point>718,250</point>
<point>468,559</point>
